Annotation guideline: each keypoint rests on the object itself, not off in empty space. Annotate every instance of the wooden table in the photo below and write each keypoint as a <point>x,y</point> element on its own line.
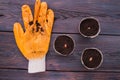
<point>68,13</point>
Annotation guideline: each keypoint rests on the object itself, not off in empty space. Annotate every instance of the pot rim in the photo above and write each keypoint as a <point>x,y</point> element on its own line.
<point>100,62</point>
<point>59,52</point>
<point>98,25</point>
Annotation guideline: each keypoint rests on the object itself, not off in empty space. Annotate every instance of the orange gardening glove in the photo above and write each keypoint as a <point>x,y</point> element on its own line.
<point>34,42</point>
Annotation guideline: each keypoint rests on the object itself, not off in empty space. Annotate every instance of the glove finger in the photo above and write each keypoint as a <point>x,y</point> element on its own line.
<point>27,16</point>
<point>42,14</point>
<point>36,10</point>
<point>49,20</point>
<point>18,33</point>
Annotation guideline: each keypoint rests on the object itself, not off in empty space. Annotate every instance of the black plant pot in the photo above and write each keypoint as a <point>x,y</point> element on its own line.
<point>64,45</point>
<point>89,27</point>
<point>92,58</point>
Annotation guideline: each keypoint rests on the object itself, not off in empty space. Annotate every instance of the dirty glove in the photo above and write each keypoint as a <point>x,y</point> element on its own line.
<point>34,42</point>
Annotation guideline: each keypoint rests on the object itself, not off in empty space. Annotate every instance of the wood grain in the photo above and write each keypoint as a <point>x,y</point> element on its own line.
<point>52,75</point>
<point>10,56</point>
<point>68,14</point>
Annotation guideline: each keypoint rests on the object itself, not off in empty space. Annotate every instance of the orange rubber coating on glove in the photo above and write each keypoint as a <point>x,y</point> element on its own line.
<point>34,41</point>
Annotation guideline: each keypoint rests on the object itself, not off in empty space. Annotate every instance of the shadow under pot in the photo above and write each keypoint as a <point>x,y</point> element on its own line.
<point>92,58</point>
<point>64,45</point>
<point>89,27</point>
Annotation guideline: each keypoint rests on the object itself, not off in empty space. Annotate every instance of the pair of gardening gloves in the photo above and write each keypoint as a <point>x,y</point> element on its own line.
<point>34,41</point>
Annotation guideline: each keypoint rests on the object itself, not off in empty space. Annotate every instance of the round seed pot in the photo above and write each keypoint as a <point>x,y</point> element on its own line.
<point>64,45</point>
<point>89,27</point>
<point>91,58</point>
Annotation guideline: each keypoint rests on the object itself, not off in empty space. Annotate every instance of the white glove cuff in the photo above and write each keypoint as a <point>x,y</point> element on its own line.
<point>36,65</point>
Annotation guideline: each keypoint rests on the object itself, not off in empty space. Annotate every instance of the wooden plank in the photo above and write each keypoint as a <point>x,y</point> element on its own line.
<point>52,75</point>
<point>10,56</point>
<point>68,14</point>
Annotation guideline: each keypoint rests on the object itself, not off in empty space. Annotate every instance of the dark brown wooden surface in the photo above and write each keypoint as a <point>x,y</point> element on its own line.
<point>56,75</point>
<point>68,13</point>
